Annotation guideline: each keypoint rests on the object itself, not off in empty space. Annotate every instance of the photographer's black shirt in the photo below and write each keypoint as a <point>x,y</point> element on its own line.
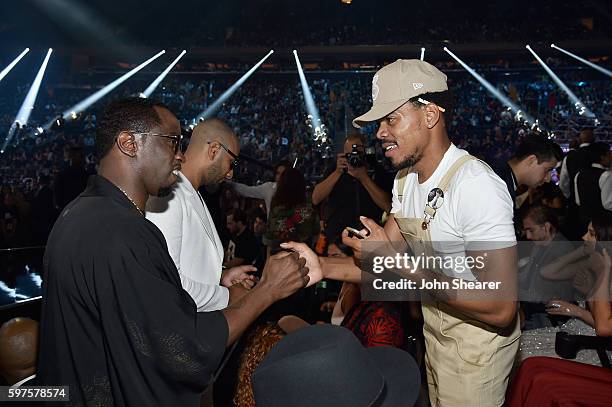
<point>349,199</point>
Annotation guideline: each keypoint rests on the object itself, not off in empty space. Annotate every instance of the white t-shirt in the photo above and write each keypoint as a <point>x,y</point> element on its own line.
<point>477,208</point>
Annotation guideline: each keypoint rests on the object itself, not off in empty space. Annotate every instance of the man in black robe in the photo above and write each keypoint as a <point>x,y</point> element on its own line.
<point>117,327</point>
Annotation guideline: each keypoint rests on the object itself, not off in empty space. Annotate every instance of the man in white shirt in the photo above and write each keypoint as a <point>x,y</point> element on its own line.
<point>605,183</point>
<point>186,223</point>
<point>470,342</point>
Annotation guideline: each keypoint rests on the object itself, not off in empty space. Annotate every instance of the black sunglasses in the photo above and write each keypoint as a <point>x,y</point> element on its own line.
<point>236,160</point>
<point>175,140</point>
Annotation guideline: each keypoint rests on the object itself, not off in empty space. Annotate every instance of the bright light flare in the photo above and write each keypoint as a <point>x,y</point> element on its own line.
<point>211,110</point>
<point>580,107</point>
<point>584,61</point>
<point>519,114</point>
<point>313,121</point>
<point>422,54</point>
<point>90,100</point>
<point>10,66</point>
<point>151,88</point>
<point>28,103</point>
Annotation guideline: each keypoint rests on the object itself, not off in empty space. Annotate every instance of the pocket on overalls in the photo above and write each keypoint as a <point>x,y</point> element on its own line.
<point>474,343</point>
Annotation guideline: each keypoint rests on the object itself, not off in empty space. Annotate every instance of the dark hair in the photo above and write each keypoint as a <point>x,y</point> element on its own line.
<point>257,213</point>
<point>549,192</point>
<point>541,214</point>
<point>356,136</point>
<point>602,223</point>
<point>574,143</point>
<point>130,114</point>
<point>543,148</point>
<point>259,343</point>
<point>282,163</point>
<point>597,151</point>
<point>444,99</point>
<point>238,215</point>
<point>290,190</point>
<point>337,240</point>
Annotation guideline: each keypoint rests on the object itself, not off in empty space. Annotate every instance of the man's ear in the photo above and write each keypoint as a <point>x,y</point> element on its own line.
<point>213,150</point>
<point>548,227</point>
<point>432,115</point>
<point>531,160</point>
<point>126,142</point>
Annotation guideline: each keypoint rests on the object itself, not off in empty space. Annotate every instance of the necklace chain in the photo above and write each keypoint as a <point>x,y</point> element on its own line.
<point>132,201</point>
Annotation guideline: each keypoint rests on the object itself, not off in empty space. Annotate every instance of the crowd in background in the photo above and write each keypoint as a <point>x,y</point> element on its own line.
<point>269,117</point>
<point>278,191</point>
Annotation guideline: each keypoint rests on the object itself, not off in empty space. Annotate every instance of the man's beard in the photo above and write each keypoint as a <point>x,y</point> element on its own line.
<point>408,162</point>
<point>213,178</point>
<point>164,191</point>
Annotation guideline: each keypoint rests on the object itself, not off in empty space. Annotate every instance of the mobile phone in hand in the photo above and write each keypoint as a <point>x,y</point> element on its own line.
<point>354,232</point>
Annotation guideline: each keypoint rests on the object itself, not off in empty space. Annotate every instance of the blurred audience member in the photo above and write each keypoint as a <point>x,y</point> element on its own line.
<point>243,248</point>
<point>291,217</point>
<point>18,348</point>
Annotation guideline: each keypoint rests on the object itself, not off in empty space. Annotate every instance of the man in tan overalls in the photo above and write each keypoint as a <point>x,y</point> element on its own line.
<point>444,200</point>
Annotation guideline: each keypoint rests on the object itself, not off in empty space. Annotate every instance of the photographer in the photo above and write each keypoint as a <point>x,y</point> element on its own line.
<point>352,189</point>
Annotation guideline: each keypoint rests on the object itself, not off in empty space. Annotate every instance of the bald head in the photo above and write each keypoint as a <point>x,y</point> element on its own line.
<point>212,130</point>
<point>18,345</point>
<point>210,154</point>
<point>587,136</point>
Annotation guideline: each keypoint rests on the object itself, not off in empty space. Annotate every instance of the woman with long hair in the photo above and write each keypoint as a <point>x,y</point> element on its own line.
<point>291,215</point>
<point>547,381</point>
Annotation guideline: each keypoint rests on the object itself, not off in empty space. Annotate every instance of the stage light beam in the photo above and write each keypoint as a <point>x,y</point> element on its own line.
<point>90,100</point>
<point>314,120</point>
<point>580,107</point>
<point>519,115</point>
<point>584,61</point>
<point>28,103</point>
<point>10,66</point>
<point>210,110</point>
<point>151,88</point>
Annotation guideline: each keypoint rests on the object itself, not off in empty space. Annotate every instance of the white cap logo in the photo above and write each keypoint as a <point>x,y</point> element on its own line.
<point>375,88</point>
<point>417,85</point>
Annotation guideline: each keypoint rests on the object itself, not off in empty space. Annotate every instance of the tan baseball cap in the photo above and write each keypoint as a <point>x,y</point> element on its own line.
<point>398,82</point>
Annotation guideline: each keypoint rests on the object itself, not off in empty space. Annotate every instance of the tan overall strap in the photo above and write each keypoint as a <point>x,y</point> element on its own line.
<point>401,182</point>
<point>444,182</point>
<point>446,179</point>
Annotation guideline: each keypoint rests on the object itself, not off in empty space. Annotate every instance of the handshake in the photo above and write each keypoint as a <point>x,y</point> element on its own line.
<point>295,267</point>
